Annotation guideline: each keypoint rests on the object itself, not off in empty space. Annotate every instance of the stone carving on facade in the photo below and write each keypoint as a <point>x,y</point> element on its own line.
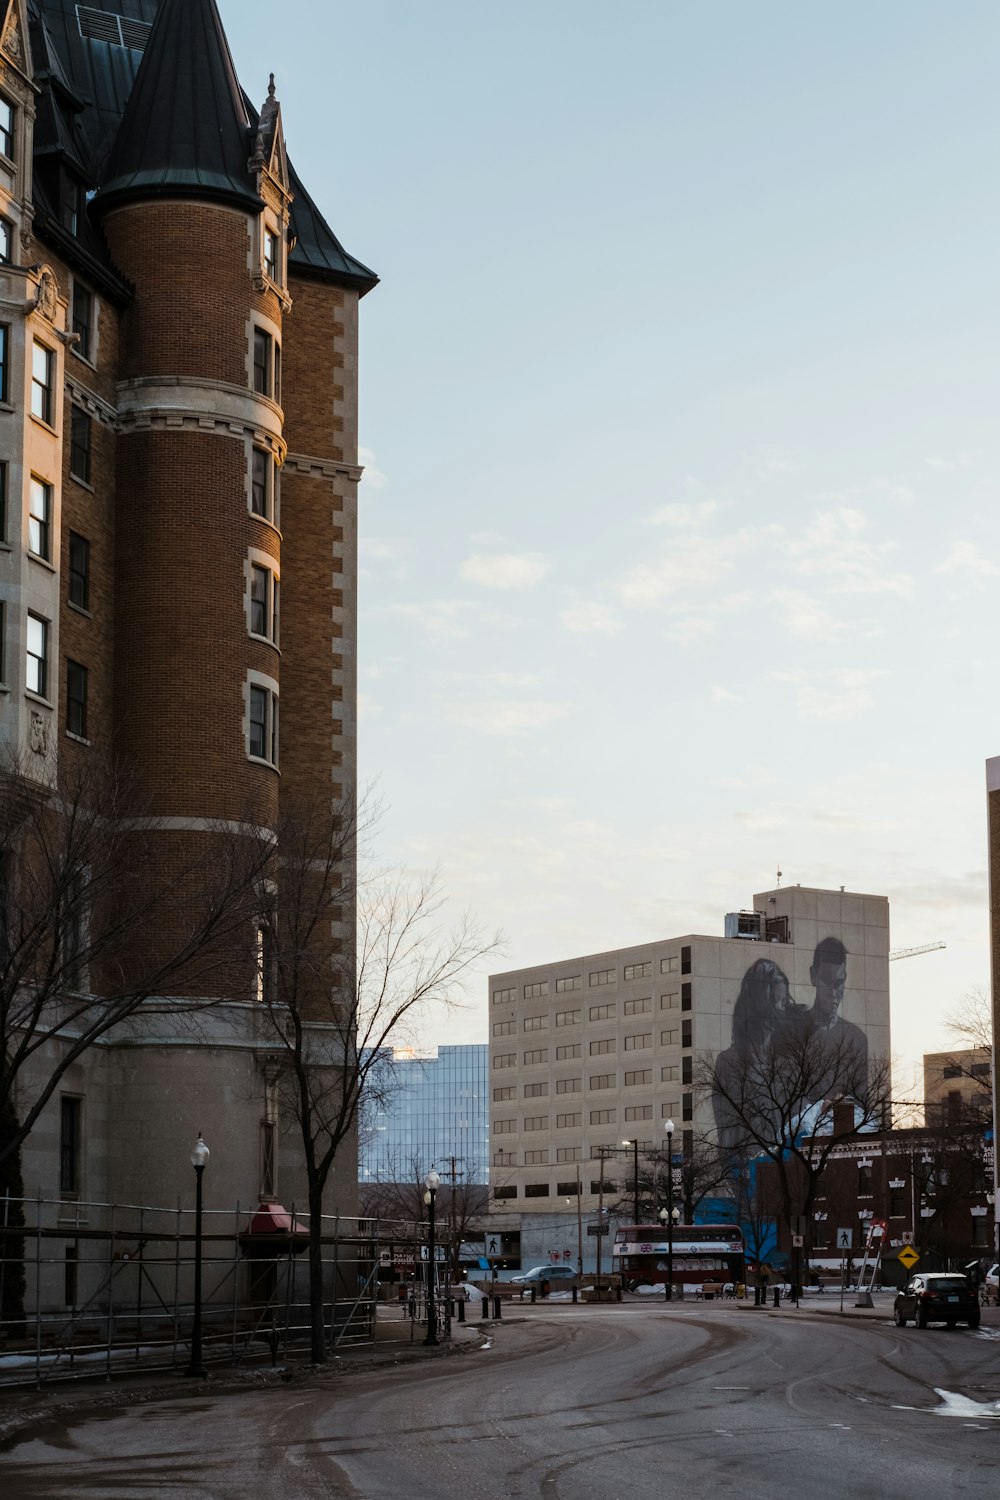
<point>12,40</point>
<point>38,734</point>
<point>47,296</point>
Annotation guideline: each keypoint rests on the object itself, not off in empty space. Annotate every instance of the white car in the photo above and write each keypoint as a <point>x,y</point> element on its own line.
<point>991,1281</point>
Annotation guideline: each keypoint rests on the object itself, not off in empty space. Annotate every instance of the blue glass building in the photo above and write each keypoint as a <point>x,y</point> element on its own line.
<point>423,1110</point>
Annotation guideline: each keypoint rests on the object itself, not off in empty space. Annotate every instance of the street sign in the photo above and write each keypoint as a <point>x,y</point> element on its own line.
<point>907,1236</point>
<point>845,1239</point>
<point>908,1257</point>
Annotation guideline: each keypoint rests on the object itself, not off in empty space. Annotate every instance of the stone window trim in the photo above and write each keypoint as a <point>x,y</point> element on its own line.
<point>8,128</point>
<point>264,359</point>
<point>41,507</point>
<point>83,323</point>
<point>81,447</point>
<point>77,680</point>
<point>43,405</point>
<point>38,651</point>
<point>78,573</point>
<point>269,685</point>
<point>263,562</point>
<point>264,459</point>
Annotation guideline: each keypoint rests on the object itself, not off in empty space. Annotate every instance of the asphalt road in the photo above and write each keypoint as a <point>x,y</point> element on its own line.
<point>589,1403</point>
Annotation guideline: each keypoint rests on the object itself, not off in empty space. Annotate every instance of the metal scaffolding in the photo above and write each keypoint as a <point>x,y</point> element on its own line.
<point>105,1288</point>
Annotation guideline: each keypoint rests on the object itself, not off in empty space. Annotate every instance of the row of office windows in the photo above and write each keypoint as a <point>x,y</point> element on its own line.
<point>597,978</point>
<point>573,1017</point>
<point>674,1036</point>
<point>633,1079</point>
<point>568,1121</point>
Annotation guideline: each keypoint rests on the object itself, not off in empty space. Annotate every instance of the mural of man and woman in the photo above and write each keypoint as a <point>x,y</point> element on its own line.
<point>768,1021</point>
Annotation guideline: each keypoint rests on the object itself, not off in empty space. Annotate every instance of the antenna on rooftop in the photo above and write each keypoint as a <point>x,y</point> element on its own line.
<point>779,880</point>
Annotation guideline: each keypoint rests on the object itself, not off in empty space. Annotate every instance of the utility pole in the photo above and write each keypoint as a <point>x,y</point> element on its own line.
<point>579,1222</point>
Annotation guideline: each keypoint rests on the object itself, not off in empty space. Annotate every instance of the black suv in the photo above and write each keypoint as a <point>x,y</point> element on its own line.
<point>937,1297</point>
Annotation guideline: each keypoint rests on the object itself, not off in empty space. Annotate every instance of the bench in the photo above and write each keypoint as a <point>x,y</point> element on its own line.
<point>709,1291</point>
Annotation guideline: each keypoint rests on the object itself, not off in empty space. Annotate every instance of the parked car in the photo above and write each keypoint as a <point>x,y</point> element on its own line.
<point>937,1297</point>
<point>991,1281</point>
<point>561,1276</point>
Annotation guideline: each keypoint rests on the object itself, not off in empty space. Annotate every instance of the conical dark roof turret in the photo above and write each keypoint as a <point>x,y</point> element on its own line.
<point>185,131</point>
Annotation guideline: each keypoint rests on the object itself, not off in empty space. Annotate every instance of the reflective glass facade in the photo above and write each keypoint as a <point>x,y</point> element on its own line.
<point>428,1110</point>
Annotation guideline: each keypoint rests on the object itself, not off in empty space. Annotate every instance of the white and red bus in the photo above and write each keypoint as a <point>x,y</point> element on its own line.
<point>701,1253</point>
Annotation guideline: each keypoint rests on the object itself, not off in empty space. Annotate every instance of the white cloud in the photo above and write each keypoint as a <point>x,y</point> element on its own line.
<point>837,693</point>
<point>690,629</point>
<point>693,562</point>
<point>367,706</point>
<point>806,616</point>
<point>681,515</point>
<point>381,549</point>
<point>505,716</point>
<point>584,618</point>
<point>723,695</point>
<point>373,475</point>
<point>966,558</point>
<point>836,549</point>
<point>442,617</point>
<point>505,570</point>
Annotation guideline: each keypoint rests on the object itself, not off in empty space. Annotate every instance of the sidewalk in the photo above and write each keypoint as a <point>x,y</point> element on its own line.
<point>21,1407</point>
<point>828,1304</point>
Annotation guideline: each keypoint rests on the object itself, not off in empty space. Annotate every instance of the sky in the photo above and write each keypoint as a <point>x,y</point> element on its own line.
<point>679,552</point>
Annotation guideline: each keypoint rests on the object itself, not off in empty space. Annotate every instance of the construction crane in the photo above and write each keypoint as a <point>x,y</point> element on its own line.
<point>912,952</point>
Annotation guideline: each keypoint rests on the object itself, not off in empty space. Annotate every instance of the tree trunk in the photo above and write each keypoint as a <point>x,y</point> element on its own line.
<point>12,1283</point>
<point>317,1323</point>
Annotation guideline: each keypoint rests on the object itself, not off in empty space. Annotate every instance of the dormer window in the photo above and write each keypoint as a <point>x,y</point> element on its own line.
<point>71,202</point>
<point>271,252</point>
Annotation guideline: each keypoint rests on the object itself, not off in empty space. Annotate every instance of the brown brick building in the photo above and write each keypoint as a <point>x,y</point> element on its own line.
<point>178,462</point>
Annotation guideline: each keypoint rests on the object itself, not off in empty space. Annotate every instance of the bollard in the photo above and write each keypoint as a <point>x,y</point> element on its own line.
<point>486,1307</point>
<point>534,1296</point>
<point>574,1294</point>
<point>756,1296</point>
<point>777,1296</point>
<point>618,1292</point>
<point>497,1313</point>
<point>461,1309</point>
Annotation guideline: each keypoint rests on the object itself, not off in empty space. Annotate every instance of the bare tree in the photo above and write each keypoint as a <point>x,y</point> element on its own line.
<point>792,1103</point>
<point>971,1024</point>
<point>102,914</point>
<point>971,1020</point>
<point>335,1006</point>
<point>698,1173</point>
<point>399,1195</point>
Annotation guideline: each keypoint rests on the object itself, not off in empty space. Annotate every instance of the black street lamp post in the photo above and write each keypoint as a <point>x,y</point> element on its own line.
<point>431,1183</point>
<point>199,1160</point>
<point>667,1214</point>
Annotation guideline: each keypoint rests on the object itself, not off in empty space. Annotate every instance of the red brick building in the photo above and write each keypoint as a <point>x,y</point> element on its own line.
<point>178,461</point>
<point>932,1188</point>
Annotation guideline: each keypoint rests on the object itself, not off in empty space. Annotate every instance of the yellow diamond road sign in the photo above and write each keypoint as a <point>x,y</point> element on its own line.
<point>908,1257</point>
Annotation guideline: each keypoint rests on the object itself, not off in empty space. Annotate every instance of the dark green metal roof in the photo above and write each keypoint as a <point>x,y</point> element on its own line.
<point>185,130</point>
<point>87,59</point>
